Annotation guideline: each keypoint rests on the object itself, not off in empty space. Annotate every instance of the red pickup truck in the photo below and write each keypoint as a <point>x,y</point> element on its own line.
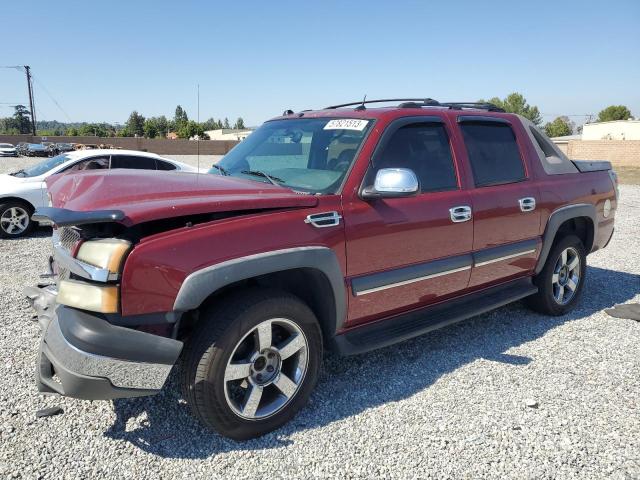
<point>348,228</point>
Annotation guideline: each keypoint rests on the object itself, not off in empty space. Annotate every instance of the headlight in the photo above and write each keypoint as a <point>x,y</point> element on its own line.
<point>107,253</point>
<point>88,297</point>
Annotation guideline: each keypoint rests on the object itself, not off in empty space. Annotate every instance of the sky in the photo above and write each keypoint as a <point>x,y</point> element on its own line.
<point>255,59</point>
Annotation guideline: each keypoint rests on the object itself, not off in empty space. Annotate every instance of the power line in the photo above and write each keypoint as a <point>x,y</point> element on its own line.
<point>51,97</point>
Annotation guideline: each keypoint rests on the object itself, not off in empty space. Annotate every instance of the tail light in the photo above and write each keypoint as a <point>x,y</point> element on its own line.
<point>614,179</point>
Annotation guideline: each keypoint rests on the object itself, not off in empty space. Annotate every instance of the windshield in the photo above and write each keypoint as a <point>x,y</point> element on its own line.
<point>6,145</point>
<point>44,167</point>
<point>310,155</point>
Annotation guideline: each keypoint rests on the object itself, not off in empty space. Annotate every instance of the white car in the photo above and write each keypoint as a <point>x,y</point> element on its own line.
<point>23,191</point>
<point>7,150</point>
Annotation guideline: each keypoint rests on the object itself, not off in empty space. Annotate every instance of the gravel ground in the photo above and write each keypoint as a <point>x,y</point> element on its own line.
<point>451,404</point>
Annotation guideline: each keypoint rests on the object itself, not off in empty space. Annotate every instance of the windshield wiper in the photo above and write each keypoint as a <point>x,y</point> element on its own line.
<point>222,170</point>
<point>15,174</point>
<point>259,173</point>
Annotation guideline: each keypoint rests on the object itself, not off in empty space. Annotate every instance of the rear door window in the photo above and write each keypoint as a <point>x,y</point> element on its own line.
<point>493,153</point>
<point>134,162</point>
<point>160,165</point>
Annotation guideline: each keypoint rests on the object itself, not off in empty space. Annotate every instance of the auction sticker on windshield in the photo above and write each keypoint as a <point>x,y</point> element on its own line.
<point>346,124</point>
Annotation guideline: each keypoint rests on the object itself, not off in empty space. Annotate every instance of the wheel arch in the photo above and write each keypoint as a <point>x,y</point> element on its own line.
<point>10,198</point>
<point>311,273</point>
<point>577,219</point>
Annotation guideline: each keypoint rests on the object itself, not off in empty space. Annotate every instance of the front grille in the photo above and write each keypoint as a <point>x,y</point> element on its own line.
<point>67,238</point>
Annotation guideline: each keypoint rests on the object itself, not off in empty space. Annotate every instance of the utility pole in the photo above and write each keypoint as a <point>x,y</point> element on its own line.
<point>31,104</point>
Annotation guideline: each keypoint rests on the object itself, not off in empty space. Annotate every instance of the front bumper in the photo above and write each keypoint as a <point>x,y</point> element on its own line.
<point>84,356</point>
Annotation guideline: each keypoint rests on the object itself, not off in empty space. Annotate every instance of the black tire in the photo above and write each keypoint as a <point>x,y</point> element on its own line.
<point>545,301</point>
<point>5,228</point>
<point>212,343</point>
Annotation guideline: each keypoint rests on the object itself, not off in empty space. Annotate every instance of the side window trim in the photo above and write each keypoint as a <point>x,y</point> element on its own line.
<point>396,125</point>
<point>482,119</point>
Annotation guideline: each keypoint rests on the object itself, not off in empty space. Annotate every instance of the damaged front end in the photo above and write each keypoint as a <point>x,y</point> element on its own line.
<point>82,353</point>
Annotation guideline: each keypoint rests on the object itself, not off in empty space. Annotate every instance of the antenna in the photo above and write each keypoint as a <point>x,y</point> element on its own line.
<point>361,106</point>
<point>198,141</point>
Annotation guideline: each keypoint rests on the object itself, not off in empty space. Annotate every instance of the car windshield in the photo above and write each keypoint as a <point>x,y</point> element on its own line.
<point>44,167</point>
<point>6,145</point>
<point>310,155</point>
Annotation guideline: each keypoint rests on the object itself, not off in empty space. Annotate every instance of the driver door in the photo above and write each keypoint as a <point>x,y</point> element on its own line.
<point>404,253</point>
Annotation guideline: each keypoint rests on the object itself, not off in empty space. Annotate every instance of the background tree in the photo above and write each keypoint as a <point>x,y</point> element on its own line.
<point>239,124</point>
<point>614,112</point>
<point>72,132</point>
<point>191,129</point>
<point>210,124</point>
<point>180,118</point>
<point>162,124</point>
<point>560,127</point>
<point>135,125</point>
<point>516,103</point>
<point>21,119</point>
<point>94,129</point>
<point>150,127</point>
<point>226,123</point>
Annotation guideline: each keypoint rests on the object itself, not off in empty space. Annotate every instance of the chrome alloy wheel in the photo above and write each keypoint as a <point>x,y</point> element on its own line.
<point>14,220</point>
<point>566,276</point>
<point>266,369</point>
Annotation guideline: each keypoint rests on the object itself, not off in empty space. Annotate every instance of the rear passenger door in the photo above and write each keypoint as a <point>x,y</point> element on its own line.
<point>407,252</point>
<point>133,162</point>
<point>504,197</point>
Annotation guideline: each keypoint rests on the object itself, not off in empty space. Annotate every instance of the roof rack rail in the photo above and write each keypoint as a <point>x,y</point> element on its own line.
<point>425,101</point>
<point>422,102</point>
<point>479,105</point>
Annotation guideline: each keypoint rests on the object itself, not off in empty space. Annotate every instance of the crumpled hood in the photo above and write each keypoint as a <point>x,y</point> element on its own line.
<point>150,195</point>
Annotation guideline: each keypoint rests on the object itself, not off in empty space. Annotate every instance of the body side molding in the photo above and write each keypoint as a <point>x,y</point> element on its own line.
<point>413,273</point>
<point>202,283</point>
<point>491,255</point>
<point>557,218</point>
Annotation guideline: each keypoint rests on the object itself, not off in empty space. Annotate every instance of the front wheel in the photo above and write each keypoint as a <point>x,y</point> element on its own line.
<point>252,363</point>
<point>561,281</point>
<point>15,220</point>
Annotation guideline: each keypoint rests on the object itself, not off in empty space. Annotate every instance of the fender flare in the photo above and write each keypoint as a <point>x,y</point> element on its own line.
<point>200,284</point>
<point>557,218</point>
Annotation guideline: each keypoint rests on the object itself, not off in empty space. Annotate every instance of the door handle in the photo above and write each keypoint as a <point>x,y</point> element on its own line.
<point>460,214</point>
<point>527,204</point>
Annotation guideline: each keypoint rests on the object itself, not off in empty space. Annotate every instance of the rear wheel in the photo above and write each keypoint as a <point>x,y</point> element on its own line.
<point>15,219</point>
<point>561,281</point>
<point>252,363</point>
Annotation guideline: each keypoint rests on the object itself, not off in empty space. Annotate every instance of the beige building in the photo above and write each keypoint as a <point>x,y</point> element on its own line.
<point>229,134</point>
<point>617,142</point>
<point>615,130</point>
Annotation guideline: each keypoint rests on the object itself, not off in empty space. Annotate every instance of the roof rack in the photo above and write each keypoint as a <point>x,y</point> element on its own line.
<point>479,105</point>
<point>425,101</point>
<point>422,102</point>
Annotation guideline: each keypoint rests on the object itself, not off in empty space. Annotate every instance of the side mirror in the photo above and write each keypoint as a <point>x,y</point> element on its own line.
<point>393,183</point>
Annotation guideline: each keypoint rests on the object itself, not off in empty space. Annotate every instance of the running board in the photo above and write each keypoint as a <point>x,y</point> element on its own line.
<point>403,327</point>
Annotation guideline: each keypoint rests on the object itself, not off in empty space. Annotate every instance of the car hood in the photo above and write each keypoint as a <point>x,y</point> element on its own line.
<point>149,195</point>
<point>10,180</point>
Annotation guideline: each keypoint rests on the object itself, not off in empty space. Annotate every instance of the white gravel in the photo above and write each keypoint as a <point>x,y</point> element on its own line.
<point>510,394</point>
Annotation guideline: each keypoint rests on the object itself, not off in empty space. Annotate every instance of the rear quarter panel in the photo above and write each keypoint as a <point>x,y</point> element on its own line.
<point>595,188</point>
